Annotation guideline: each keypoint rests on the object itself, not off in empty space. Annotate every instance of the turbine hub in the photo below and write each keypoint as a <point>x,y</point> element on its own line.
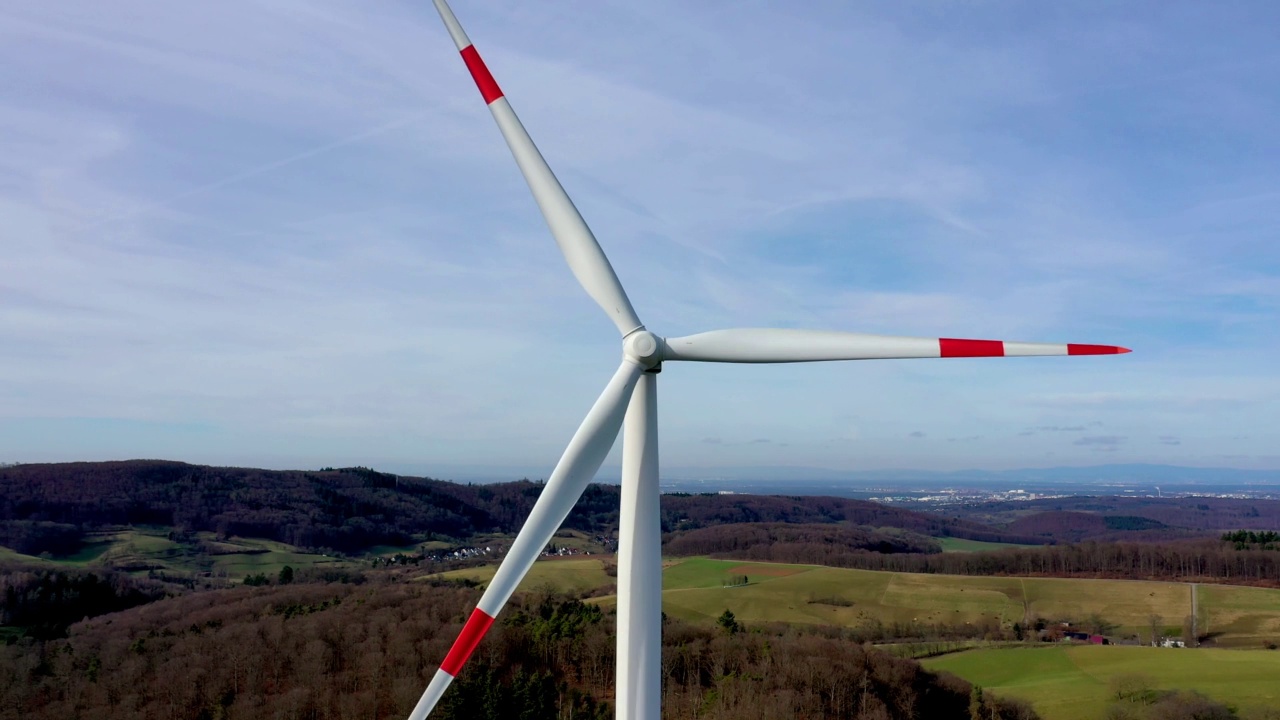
<point>644,347</point>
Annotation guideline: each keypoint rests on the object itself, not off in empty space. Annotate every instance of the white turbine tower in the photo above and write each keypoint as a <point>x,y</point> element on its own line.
<point>632,393</point>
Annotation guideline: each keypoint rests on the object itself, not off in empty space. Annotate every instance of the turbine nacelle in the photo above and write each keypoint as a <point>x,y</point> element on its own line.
<point>643,348</point>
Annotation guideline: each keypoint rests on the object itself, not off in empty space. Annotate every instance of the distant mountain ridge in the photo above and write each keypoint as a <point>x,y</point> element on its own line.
<point>1148,473</point>
<point>1115,473</point>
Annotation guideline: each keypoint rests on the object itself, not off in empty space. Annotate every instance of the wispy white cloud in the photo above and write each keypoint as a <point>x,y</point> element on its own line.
<point>298,237</point>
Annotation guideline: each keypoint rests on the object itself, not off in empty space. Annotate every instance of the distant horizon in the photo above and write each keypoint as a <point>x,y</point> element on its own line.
<point>1139,473</point>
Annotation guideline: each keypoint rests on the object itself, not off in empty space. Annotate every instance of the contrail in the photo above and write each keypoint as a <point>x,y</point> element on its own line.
<point>259,170</point>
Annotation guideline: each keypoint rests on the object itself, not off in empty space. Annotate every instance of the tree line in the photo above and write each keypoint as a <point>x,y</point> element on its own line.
<point>802,543</point>
<point>1263,540</point>
<point>1199,560</point>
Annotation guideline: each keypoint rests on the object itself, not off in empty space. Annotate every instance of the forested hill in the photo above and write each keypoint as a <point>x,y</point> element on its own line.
<point>343,650</point>
<point>47,506</point>
<point>690,512</point>
<point>1125,518</point>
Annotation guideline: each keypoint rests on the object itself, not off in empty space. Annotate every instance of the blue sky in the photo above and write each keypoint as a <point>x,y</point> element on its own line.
<point>288,234</point>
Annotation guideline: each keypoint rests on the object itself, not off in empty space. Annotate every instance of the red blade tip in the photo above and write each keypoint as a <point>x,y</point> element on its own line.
<point>1074,349</point>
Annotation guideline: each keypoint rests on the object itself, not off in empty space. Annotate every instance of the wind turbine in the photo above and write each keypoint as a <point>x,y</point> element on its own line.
<point>632,394</point>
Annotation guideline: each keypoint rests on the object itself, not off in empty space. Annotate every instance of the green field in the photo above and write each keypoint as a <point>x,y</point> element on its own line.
<point>951,544</point>
<point>1070,682</point>
<point>7,554</point>
<point>572,574</point>
<point>410,549</point>
<point>1244,616</point>
<point>107,548</point>
<point>140,550</point>
<point>694,589</point>
<point>796,593</point>
<point>831,596</point>
<point>266,557</point>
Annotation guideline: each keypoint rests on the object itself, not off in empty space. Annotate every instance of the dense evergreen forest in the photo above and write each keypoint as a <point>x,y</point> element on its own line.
<point>44,601</point>
<point>367,647</point>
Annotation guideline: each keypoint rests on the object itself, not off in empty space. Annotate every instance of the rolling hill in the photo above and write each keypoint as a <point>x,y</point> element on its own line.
<point>48,507</point>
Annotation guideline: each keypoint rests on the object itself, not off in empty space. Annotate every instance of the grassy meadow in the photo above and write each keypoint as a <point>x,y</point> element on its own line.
<point>568,574</point>
<point>1063,682</point>
<point>695,589</point>
<point>1240,615</point>
<point>142,549</point>
<point>1071,682</point>
<point>9,554</point>
<point>952,544</point>
<point>835,596</point>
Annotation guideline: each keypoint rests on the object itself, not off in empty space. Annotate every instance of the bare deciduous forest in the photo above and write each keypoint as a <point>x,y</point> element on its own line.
<point>827,541</point>
<point>48,507</point>
<point>321,651</point>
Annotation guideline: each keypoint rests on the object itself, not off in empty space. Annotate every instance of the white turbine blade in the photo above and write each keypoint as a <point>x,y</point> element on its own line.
<point>579,246</point>
<point>578,465</point>
<point>639,666</point>
<point>757,345</point>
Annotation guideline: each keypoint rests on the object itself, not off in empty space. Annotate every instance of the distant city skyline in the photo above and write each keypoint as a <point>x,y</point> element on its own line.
<point>251,234</point>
